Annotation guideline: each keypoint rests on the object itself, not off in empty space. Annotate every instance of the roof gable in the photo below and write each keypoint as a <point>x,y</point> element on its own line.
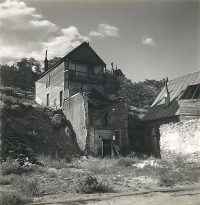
<point>84,53</point>
<point>176,88</point>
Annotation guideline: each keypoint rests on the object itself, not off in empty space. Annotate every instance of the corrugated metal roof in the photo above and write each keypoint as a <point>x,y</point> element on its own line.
<point>176,88</point>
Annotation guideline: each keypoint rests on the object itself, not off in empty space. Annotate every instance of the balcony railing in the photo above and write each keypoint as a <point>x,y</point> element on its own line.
<point>84,76</point>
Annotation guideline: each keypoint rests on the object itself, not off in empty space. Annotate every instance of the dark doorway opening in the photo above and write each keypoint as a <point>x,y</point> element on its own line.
<point>47,103</point>
<point>107,147</point>
<point>61,98</point>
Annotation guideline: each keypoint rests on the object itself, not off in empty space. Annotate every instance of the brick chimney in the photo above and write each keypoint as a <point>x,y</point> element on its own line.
<point>46,63</point>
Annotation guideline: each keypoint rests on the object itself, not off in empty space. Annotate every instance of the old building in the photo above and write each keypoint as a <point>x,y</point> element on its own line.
<point>179,100</point>
<point>78,85</point>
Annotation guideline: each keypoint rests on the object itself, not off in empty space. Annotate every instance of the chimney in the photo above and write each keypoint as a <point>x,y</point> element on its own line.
<point>46,63</point>
<point>167,94</point>
<point>112,69</point>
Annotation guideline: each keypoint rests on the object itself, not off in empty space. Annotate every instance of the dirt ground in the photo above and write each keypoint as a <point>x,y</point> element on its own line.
<point>187,196</point>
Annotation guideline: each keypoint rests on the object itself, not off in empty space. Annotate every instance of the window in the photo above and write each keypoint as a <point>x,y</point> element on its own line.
<point>47,100</point>
<point>47,80</point>
<point>61,98</point>
<point>91,71</point>
<point>192,92</point>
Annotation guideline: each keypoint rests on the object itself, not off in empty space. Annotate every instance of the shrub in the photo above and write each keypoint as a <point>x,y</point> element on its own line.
<point>11,198</point>
<point>24,184</point>
<point>167,182</point>
<point>89,185</point>
<point>12,167</point>
<point>5,180</point>
<point>58,120</point>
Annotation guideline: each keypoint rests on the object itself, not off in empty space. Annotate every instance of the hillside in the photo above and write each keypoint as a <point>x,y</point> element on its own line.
<point>28,130</point>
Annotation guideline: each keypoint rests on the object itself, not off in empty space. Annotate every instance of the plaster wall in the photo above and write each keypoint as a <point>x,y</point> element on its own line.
<point>56,85</point>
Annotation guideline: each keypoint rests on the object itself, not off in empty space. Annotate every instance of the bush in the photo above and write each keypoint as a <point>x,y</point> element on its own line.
<point>89,185</point>
<point>12,167</point>
<point>5,180</point>
<point>27,186</point>
<point>167,182</point>
<point>11,198</point>
<point>58,120</point>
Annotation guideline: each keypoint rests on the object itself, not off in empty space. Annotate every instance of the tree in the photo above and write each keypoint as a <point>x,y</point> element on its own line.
<point>53,61</point>
<point>141,94</point>
<point>22,75</point>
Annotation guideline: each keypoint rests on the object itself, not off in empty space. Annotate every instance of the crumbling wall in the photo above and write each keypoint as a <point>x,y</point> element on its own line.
<point>182,138</point>
<point>75,110</point>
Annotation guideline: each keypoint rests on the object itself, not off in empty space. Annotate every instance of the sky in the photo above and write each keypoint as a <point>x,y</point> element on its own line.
<point>148,39</point>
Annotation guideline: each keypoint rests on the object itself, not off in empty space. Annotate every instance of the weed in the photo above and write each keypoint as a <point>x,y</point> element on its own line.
<point>11,198</point>
<point>167,182</point>
<point>12,167</point>
<point>6,180</point>
<point>27,186</point>
<point>127,161</point>
<point>89,185</point>
<point>52,175</point>
<point>53,162</point>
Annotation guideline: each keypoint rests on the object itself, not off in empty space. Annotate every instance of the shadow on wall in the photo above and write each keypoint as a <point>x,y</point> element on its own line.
<point>59,120</point>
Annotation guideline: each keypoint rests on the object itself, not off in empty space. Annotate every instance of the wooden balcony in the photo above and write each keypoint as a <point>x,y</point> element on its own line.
<point>73,75</point>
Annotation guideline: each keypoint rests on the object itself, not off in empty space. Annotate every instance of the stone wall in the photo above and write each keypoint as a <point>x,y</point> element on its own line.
<point>117,120</point>
<point>182,138</point>
<point>75,110</point>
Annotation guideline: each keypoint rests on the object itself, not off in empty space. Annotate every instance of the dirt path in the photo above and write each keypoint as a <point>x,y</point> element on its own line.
<point>177,196</point>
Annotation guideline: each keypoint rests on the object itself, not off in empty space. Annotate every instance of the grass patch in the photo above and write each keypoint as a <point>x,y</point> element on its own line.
<point>56,162</point>
<point>11,198</point>
<point>27,186</point>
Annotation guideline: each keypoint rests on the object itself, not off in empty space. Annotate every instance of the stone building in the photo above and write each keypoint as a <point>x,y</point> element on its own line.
<point>179,100</point>
<point>78,85</point>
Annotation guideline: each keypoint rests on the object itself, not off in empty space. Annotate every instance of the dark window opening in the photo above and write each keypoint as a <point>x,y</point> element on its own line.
<point>47,100</point>
<point>61,98</point>
<point>192,92</point>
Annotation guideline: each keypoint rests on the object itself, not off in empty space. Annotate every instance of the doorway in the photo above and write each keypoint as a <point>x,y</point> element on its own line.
<point>106,148</point>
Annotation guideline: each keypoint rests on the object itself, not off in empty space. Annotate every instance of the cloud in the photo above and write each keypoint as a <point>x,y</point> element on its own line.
<point>105,30</point>
<point>148,41</point>
<point>25,33</point>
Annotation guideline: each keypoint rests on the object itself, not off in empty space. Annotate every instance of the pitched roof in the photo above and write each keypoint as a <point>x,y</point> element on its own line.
<point>177,88</point>
<point>82,53</point>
